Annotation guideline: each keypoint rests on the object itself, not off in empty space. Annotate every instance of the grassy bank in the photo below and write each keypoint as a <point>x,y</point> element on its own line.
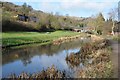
<point>20,38</point>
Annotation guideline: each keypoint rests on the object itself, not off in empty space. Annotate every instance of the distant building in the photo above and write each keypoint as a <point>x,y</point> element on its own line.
<point>22,17</point>
<point>33,19</point>
<point>27,18</point>
<point>83,29</point>
<point>77,30</point>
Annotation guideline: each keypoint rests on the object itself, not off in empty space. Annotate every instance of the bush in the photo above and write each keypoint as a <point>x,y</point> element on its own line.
<point>99,32</point>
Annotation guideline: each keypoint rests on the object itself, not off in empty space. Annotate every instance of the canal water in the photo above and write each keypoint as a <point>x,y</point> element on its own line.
<point>36,58</point>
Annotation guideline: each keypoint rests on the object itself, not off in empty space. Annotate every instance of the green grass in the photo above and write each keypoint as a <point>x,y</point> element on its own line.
<point>21,38</point>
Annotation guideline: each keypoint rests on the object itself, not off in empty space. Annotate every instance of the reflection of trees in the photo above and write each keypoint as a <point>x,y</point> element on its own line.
<point>23,55</point>
<point>26,59</point>
<point>26,54</point>
<point>52,49</point>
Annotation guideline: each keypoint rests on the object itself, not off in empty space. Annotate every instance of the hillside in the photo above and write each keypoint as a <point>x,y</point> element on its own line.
<point>45,21</point>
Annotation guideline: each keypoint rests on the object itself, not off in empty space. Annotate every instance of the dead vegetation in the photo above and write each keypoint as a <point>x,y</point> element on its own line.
<point>69,38</point>
<point>49,73</point>
<point>95,58</point>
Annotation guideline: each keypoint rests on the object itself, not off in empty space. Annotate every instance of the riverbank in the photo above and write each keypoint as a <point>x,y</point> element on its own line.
<point>10,39</point>
<point>70,38</point>
<point>91,61</point>
<point>94,58</point>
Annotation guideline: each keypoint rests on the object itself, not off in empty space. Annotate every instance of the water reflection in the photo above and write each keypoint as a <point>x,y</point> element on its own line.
<point>34,59</point>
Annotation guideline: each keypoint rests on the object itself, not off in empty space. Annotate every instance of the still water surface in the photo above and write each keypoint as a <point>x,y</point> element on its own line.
<point>36,58</point>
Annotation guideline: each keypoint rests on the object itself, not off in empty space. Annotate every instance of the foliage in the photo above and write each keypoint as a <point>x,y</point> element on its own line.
<point>100,22</point>
<point>99,32</point>
<point>25,9</point>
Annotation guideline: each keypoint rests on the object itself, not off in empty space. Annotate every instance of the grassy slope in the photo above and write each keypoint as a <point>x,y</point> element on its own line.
<point>21,38</point>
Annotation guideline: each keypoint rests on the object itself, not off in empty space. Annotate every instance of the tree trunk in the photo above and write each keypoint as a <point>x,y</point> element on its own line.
<point>113,28</point>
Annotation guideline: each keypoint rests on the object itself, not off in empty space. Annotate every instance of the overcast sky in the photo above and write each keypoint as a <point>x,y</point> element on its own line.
<point>80,8</point>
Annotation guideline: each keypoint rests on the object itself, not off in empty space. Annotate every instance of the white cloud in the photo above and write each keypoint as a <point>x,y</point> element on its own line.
<point>98,6</point>
<point>45,5</point>
<point>48,6</point>
<point>86,5</point>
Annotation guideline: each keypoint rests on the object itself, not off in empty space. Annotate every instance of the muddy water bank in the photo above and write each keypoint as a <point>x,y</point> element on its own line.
<point>72,38</point>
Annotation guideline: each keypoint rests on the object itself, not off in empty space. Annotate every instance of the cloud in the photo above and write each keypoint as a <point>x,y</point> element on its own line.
<point>99,6</point>
<point>49,6</point>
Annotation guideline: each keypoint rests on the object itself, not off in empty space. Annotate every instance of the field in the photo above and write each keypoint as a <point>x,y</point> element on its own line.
<point>21,38</point>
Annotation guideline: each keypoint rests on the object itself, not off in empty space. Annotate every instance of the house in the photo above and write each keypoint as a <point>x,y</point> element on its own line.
<point>26,18</point>
<point>77,30</point>
<point>33,19</point>
<point>22,17</point>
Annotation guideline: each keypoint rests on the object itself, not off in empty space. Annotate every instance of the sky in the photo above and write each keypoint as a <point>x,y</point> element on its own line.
<point>79,8</point>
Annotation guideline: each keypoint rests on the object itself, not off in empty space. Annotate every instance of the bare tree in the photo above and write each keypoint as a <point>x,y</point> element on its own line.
<point>113,14</point>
